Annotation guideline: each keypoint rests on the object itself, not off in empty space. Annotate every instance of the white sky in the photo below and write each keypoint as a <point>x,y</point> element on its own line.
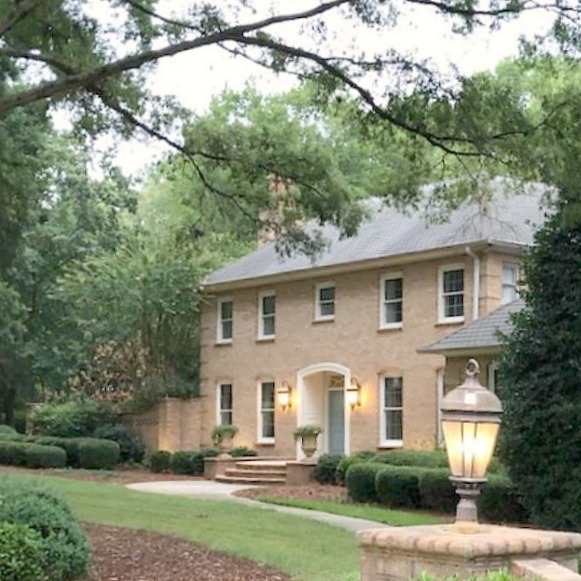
<point>194,78</point>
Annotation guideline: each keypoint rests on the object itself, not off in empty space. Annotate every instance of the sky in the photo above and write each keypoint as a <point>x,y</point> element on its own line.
<point>194,78</point>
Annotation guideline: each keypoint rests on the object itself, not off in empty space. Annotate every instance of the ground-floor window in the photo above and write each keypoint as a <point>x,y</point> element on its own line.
<point>266,399</point>
<point>225,403</point>
<point>391,411</point>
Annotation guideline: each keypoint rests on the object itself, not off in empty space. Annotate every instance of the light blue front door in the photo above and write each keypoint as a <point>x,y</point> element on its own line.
<point>336,425</point>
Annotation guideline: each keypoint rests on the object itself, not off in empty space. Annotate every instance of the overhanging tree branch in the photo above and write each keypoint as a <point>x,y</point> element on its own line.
<point>22,10</point>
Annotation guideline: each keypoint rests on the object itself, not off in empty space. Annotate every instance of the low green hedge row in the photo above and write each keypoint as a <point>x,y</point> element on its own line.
<point>88,453</point>
<point>429,489</point>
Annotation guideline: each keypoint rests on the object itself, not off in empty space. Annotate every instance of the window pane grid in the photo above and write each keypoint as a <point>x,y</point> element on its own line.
<point>393,409</point>
<point>453,293</point>
<point>509,283</point>
<point>268,315</point>
<point>226,320</point>
<point>326,301</point>
<point>393,300</point>
<point>267,407</point>
<point>225,411</point>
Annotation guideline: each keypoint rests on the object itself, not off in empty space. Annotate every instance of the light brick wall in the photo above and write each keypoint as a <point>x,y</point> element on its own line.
<point>352,340</point>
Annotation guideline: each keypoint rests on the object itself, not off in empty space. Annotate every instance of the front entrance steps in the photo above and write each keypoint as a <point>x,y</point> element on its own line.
<point>255,472</point>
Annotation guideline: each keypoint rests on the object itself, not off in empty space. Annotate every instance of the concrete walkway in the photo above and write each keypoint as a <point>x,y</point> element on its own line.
<point>219,491</point>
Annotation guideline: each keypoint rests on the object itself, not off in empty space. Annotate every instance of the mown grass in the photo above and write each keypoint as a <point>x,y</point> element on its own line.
<point>306,549</point>
<point>396,518</point>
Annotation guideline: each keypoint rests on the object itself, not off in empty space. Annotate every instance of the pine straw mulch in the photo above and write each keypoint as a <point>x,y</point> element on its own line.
<point>121,554</point>
<point>304,492</point>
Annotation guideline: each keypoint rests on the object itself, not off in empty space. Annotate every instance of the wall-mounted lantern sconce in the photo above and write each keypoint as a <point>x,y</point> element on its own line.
<point>354,394</point>
<point>284,394</point>
<point>470,421</point>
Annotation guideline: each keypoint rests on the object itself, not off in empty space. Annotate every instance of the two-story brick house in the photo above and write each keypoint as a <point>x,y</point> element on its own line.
<point>348,325</point>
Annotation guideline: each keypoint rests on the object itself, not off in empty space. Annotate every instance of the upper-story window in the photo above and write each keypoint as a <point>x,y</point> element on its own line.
<point>391,420</point>
<point>391,305</point>
<point>509,283</point>
<point>325,302</point>
<point>225,321</point>
<point>266,411</point>
<point>451,294</point>
<point>225,403</point>
<point>266,315</point>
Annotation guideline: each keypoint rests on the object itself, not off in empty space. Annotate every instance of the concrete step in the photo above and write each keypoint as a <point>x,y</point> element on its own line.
<point>262,465</point>
<point>251,473</point>
<point>249,480</point>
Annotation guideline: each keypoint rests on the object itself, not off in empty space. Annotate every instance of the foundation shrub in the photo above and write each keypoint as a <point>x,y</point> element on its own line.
<point>22,553</point>
<point>37,456</point>
<point>326,469</point>
<point>131,448</point>
<point>436,491</point>
<point>160,461</point>
<point>360,480</point>
<point>95,454</point>
<point>12,453</point>
<point>198,459</point>
<point>345,463</point>
<point>399,486</point>
<point>242,452</point>
<point>422,458</point>
<point>64,545</point>
<point>182,462</point>
<point>499,501</point>
<point>69,445</point>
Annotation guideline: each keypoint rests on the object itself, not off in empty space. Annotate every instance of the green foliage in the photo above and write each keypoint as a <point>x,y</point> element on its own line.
<point>160,461</point>
<point>503,575</point>
<point>541,433</point>
<point>242,451</point>
<point>198,459</point>
<point>97,454</point>
<point>65,547</point>
<point>69,445</point>
<point>6,431</point>
<point>345,463</point>
<point>399,487</point>
<point>74,418</point>
<point>436,491</point>
<point>423,458</point>
<point>37,456</point>
<point>326,469</point>
<point>360,480</point>
<point>12,453</point>
<point>132,450</point>
<point>499,502</point>
<point>221,430</point>
<point>21,553</point>
<point>181,462</point>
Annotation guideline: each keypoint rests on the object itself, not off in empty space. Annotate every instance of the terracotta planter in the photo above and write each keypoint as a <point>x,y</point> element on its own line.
<point>309,445</point>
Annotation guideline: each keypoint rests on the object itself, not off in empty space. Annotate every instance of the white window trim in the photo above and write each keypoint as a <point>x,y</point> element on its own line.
<point>382,280</point>
<point>441,302</point>
<point>387,443</point>
<point>318,315</point>
<point>260,439</point>
<point>219,338</point>
<point>516,268</point>
<point>219,399</point>
<point>261,296</point>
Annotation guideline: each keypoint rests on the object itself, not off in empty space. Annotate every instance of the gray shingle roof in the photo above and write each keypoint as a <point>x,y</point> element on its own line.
<point>511,218</point>
<point>481,333</point>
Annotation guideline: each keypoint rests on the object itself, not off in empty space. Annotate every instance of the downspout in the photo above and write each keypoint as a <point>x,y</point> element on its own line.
<point>475,283</point>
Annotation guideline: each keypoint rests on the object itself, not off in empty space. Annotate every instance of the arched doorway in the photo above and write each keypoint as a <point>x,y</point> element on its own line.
<point>322,400</point>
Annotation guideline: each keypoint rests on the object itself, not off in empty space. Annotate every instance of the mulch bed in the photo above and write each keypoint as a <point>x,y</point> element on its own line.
<point>306,492</point>
<point>121,554</point>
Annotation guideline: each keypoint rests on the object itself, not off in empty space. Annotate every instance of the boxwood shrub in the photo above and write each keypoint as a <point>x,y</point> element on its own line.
<point>22,553</point>
<point>399,486</point>
<point>96,454</point>
<point>422,458</point>
<point>343,466</point>
<point>198,459</point>
<point>130,446</point>
<point>326,468</point>
<point>37,456</point>
<point>160,461</point>
<point>69,445</point>
<point>242,452</point>
<point>64,545</point>
<point>436,491</point>
<point>499,501</point>
<point>12,453</point>
<point>360,480</point>
<point>182,462</point>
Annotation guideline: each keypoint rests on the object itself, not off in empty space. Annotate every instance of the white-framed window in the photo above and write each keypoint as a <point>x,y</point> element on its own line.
<point>493,376</point>
<point>391,301</point>
<point>225,320</point>
<point>391,409</point>
<point>509,283</point>
<point>266,315</point>
<point>325,302</point>
<point>224,408</point>
<point>451,294</point>
<point>266,411</point>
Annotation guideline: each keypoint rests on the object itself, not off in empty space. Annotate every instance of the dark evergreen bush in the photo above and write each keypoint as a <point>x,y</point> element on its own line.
<point>326,469</point>
<point>182,462</point>
<point>95,454</point>
<point>12,453</point>
<point>160,461</point>
<point>500,503</point>
<point>423,458</point>
<point>360,480</point>
<point>198,459</point>
<point>242,451</point>
<point>65,547</point>
<point>436,491</point>
<point>399,486</point>
<point>37,456</point>
<point>69,445</point>
<point>541,377</point>
<point>132,449</point>
<point>7,431</point>
<point>22,553</point>
<point>343,466</point>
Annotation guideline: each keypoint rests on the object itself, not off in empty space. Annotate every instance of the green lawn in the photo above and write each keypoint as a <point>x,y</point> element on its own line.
<point>306,549</point>
<point>396,518</point>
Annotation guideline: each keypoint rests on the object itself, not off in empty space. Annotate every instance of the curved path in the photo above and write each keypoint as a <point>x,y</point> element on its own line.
<point>220,491</point>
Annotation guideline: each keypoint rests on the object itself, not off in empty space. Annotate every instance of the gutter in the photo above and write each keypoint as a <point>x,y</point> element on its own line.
<point>475,283</point>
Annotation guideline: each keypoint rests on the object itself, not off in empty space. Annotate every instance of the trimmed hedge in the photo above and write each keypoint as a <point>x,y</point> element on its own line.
<point>37,456</point>
<point>160,461</point>
<point>326,469</point>
<point>360,480</point>
<point>437,492</point>
<point>399,486</point>
<point>242,452</point>
<point>198,459</point>
<point>182,462</point>
<point>64,545</point>
<point>22,553</point>
<point>95,454</point>
<point>499,501</point>
<point>12,453</point>
<point>421,458</point>
<point>131,448</point>
<point>348,461</point>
